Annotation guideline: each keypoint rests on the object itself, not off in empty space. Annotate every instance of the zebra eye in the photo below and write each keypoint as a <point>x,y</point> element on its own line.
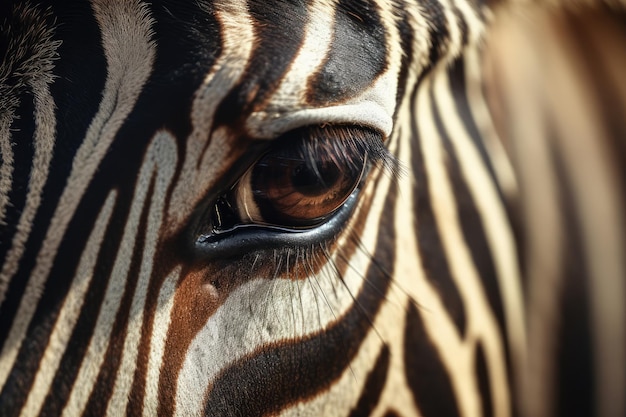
<point>299,184</point>
<point>301,180</point>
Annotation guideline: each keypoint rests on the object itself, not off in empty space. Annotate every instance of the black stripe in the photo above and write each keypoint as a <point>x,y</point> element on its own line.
<point>47,310</point>
<point>427,376</point>
<point>598,71</point>
<point>135,404</point>
<point>458,87</point>
<point>103,388</point>
<point>21,142</point>
<point>574,364</point>
<point>481,6</point>
<point>76,92</point>
<point>72,83</point>
<point>462,24</point>
<point>406,42</point>
<point>86,324</point>
<point>438,32</point>
<point>358,54</point>
<point>301,368</point>
<point>22,129</point>
<point>20,45</point>
<point>484,383</point>
<point>163,102</point>
<point>188,42</point>
<point>71,88</point>
<point>16,387</point>
<point>373,386</point>
<point>471,224</point>
<point>278,26</point>
<point>431,249</point>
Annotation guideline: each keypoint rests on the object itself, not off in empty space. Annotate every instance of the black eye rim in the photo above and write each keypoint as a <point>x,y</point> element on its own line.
<point>253,237</point>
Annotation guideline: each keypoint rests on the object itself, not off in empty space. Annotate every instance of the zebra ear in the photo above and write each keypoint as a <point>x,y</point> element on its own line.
<point>557,92</point>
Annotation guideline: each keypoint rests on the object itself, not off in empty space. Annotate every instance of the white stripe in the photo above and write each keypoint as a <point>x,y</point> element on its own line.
<point>475,24</point>
<point>287,109</point>
<point>453,48</point>
<point>484,122</point>
<point>411,276</point>
<point>197,175</point>
<point>160,329</point>
<point>481,324</point>
<point>94,357</point>
<point>420,25</point>
<point>161,157</point>
<point>457,354</point>
<point>45,131</point>
<point>6,174</point>
<point>28,63</point>
<point>129,65</point>
<point>70,311</point>
<point>291,93</point>
<point>497,230</point>
<point>452,349</point>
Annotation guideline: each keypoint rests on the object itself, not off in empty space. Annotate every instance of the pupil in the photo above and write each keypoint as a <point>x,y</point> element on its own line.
<point>308,182</point>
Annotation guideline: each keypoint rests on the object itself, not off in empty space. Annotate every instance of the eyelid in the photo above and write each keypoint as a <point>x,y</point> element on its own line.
<point>369,112</point>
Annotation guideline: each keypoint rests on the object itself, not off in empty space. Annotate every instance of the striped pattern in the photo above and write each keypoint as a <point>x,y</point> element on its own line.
<point>568,132</point>
<point>483,275</point>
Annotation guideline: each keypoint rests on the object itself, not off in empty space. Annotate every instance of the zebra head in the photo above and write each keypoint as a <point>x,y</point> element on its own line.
<point>284,207</point>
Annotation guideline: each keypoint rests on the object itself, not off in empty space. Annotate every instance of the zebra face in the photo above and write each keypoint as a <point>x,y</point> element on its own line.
<point>206,194</point>
<point>307,208</point>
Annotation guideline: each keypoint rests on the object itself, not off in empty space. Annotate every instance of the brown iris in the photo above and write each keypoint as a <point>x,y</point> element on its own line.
<point>292,189</point>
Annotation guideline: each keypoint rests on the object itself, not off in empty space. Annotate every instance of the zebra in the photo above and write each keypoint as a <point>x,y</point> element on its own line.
<point>323,208</point>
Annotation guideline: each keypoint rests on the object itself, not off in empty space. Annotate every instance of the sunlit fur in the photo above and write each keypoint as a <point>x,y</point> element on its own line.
<point>478,271</point>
